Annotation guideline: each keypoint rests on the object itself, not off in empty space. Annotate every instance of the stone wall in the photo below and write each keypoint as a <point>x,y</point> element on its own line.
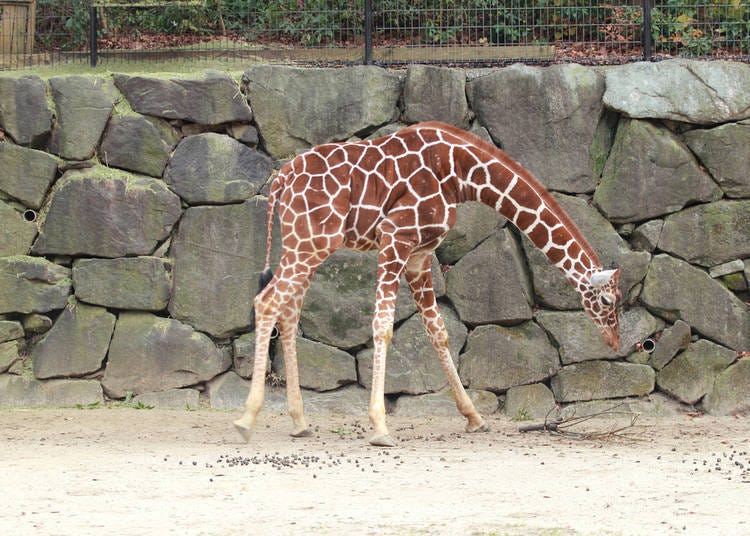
<point>133,228</point>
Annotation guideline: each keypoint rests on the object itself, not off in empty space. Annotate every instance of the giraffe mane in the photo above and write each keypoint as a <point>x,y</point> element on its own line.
<point>523,173</point>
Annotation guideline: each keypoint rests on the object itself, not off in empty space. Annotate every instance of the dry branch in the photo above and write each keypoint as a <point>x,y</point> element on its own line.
<point>563,425</point>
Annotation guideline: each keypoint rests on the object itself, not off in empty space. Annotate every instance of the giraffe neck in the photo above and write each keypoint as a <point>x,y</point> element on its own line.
<point>538,215</point>
<point>488,175</point>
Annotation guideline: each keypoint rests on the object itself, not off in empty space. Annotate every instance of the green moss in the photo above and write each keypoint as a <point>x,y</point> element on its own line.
<point>735,282</point>
<point>122,107</point>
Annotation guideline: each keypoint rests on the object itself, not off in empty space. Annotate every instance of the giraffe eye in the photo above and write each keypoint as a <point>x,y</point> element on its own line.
<point>606,299</point>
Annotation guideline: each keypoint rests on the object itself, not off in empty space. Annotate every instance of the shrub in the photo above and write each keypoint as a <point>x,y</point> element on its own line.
<point>694,27</point>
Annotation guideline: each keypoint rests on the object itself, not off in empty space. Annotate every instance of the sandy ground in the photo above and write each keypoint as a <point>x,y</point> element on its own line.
<point>118,471</point>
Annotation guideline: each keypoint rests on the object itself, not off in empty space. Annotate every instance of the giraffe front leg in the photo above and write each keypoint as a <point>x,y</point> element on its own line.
<point>391,261</point>
<point>383,332</point>
<point>419,277</point>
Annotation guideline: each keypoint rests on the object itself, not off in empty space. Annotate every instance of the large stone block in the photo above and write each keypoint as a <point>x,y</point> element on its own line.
<point>675,290</point>
<point>228,391</point>
<point>19,391</point>
<point>551,125</point>
<point>10,330</point>
<point>717,94</point>
<point>149,353</point>
<point>83,105</point>
<point>339,305</point>
<point>712,147</point>
<point>139,144</point>
<point>534,401</point>
<point>25,114</point>
<point>436,94</point>
<point>243,355</point>
<point>349,400</point>
<point>497,358</point>
<point>173,398</point>
<point>709,234</point>
<point>594,380</point>
<point>296,108</point>
<point>650,173</point>
<point>489,284</point>
<point>580,340</point>
<point>141,283</point>
<point>106,213</point>
<point>412,363</point>
<point>27,174</point>
<point>16,234</point>
<point>474,223</point>
<point>9,355</point>
<point>671,341</point>
<point>212,168</point>
<point>690,375</point>
<point>655,404</point>
<point>729,394</point>
<point>32,285</point>
<point>321,367</point>
<point>209,99</point>
<point>217,255</point>
<point>646,236</point>
<point>443,404</point>
<point>76,345</point>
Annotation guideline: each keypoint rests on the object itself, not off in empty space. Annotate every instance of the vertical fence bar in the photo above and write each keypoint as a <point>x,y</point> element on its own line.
<point>368,32</point>
<point>92,36</point>
<point>646,30</point>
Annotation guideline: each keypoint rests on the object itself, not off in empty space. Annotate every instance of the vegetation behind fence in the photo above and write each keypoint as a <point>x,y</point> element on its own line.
<point>402,31</point>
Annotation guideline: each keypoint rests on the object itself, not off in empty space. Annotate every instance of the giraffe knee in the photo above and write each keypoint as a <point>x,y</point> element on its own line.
<point>383,336</point>
<point>440,338</point>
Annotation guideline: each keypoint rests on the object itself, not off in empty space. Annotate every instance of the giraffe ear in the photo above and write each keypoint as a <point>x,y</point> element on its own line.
<point>602,277</point>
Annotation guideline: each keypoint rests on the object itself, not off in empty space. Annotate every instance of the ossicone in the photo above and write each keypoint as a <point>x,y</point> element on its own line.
<point>603,277</point>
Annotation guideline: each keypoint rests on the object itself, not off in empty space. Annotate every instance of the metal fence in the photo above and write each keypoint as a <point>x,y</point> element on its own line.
<point>387,32</point>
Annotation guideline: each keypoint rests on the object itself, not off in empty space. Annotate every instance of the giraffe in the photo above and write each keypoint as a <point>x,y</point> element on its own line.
<point>398,194</point>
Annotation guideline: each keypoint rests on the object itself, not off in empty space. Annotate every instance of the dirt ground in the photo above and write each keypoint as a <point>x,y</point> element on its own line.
<point>118,471</point>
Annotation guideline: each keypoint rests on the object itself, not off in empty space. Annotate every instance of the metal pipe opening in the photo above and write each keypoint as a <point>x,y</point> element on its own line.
<point>648,345</point>
<point>29,215</point>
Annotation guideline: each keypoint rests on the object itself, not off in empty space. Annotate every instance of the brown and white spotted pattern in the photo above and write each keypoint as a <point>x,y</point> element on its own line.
<point>398,195</point>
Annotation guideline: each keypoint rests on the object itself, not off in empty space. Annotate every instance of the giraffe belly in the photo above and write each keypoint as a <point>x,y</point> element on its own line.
<point>354,240</point>
<point>361,228</point>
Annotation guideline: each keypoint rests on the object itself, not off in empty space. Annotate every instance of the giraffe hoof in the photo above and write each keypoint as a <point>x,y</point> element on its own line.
<point>382,441</point>
<point>244,431</point>
<point>305,432</point>
<point>482,427</point>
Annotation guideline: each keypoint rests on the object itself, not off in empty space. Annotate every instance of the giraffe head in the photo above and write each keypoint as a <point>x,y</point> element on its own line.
<point>600,300</point>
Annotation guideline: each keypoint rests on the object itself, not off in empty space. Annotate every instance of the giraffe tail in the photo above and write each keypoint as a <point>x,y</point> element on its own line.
<point>263,280</point>
<point>267,274</point>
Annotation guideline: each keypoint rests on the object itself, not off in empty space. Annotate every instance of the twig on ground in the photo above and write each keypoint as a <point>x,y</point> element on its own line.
<point>562,425</point>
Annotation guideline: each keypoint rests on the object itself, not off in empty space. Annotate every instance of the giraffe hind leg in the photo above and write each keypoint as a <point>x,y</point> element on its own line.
<point>280,302</point>
<point>267,306</point>
<point>288,331</point>
<point>254,403</point>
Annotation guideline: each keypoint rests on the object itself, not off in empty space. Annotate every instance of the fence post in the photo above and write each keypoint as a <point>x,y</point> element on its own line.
<point>646,30</point>
<point>368,32</point>
<point>92,35</point>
